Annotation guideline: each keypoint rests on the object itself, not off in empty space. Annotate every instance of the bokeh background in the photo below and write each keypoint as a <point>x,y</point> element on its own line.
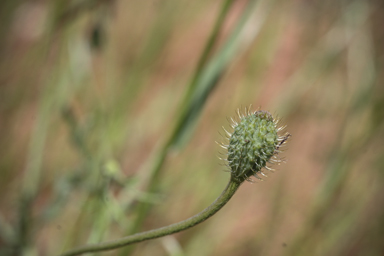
<point>109,112</point>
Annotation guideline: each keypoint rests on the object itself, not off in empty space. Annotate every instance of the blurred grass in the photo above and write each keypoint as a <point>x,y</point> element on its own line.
<point>111,107</point>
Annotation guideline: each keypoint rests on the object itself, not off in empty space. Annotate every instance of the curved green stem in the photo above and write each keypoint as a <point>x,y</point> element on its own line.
<point>228,192</point>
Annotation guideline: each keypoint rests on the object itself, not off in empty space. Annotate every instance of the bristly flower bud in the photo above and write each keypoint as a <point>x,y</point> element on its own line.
<point>253,143</point>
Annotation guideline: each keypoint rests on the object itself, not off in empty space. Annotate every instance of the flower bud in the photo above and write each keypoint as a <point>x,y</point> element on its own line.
<point>253,143</point>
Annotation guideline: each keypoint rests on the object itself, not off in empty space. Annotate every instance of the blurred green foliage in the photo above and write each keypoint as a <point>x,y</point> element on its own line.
<point>109,111</point>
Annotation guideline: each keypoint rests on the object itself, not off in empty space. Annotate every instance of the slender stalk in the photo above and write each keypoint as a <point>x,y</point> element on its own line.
<point>228,192</point>
<point>213,38</point>
<point>183,115</point>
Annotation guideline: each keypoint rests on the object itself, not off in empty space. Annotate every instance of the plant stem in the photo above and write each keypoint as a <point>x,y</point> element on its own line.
<point>184,117</point>
<point>228,192</point>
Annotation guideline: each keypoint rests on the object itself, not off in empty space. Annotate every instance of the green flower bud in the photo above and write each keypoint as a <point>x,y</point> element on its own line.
<point>253,143</point>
